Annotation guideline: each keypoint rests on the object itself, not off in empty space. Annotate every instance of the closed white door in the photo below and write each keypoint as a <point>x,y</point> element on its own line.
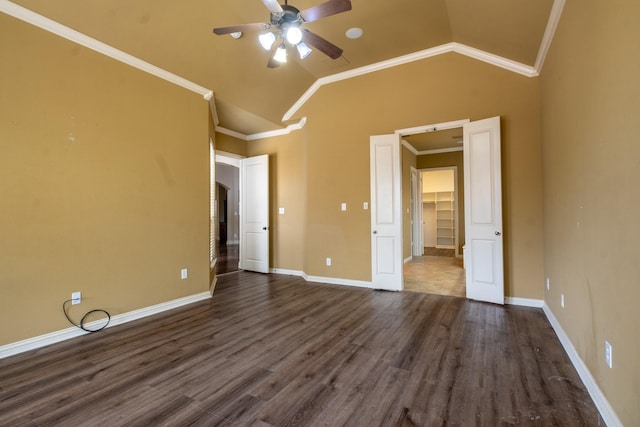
<point>386,212</point>
<point>483,211</point>
<point>254,214</point>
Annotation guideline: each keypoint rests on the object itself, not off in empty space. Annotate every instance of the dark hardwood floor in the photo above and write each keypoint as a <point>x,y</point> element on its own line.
<point>271,350</point>
<point>227,258</point>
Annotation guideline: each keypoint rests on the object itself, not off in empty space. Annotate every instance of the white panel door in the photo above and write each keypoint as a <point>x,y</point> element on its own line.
<point>254,214</point>
<point>417,241</point>
<point>483,211</point>
<point>386,213</point>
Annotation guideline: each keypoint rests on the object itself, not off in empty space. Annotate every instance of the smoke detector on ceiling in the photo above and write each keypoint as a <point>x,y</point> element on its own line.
<point>354,33</point>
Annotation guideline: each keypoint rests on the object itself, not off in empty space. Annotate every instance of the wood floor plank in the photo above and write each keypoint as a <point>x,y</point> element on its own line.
<point>271,350</point>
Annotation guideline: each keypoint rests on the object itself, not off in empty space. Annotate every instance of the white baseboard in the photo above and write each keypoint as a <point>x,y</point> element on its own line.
<point>320,279</point>
<point>337,281</point>
<point>524,302</point>
<point>408,259</point>
<point>606,411</point>
<point>72,332</point>
<point>287,272</point>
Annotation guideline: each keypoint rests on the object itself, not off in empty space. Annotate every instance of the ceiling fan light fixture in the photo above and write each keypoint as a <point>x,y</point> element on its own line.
<point>266,40</point>
<point>303,50</point>
<point>293,35</point>
<point>281,54</point>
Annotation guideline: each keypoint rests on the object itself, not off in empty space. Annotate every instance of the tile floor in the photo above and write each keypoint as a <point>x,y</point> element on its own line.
<point>442,275</point>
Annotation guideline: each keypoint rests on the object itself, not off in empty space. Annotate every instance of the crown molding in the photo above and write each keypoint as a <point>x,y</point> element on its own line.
<point>549,32</point>
<point>356,72</point>
<point>410,147</point>
<point>440,150</point>
<point>279,132</point>
<point>63,31</point>
<point>262,135</point>
<point>498,61</point>
<point>232,133</point>
<point>459,48</point>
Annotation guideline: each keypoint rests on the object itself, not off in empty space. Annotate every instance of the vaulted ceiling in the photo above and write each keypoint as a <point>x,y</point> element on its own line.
<point>177,37</point>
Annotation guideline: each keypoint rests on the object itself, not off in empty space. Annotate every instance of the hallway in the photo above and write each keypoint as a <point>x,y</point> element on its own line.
<point>227,258</point>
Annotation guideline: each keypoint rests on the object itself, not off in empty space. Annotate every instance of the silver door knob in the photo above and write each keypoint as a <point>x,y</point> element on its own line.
<point>375,232</point>
<point>498,233</point>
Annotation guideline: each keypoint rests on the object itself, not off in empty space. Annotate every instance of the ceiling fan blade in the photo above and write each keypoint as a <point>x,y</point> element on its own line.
<point>273,6</point>
<point>323,45</point>
<point>240,28</point>
<point>328,8</point>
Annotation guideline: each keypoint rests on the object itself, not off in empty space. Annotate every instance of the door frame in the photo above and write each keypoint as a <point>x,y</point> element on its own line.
<point>432,128</point>
<point>231,160</point>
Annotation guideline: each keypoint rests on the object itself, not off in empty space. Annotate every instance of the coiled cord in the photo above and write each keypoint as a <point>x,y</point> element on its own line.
<point>84,318</point>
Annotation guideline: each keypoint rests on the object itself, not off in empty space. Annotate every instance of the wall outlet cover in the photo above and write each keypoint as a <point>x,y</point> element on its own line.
<point>607,354</point>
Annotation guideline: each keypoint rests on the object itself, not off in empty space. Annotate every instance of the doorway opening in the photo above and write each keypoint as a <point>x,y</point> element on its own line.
<point>228,205</point>
<point>437,214</point>
<point>436,266</point>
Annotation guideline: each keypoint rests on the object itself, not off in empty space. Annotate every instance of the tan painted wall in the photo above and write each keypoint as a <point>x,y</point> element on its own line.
<point>342,116</point>
<point>591,164</point>
<point>104,184</point>
<point>230,144</point>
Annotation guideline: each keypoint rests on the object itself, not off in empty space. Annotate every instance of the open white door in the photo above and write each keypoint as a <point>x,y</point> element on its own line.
<point>417,237</point>
<point>483,211</point>
<point>254,214</point>
<point>386,213</point>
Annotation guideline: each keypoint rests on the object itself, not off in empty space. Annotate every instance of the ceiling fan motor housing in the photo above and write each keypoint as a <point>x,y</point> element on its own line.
<point>288,18</point>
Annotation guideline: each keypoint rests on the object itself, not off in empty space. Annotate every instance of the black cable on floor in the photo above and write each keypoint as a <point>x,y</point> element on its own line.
<point>82,321</point>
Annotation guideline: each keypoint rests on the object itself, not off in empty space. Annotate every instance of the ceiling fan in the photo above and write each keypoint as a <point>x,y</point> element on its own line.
<point>285,24</point>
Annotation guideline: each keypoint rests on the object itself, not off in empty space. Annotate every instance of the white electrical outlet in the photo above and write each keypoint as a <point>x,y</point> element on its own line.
<point>562,300</point>
<point>76,298</point>
<point>184,273</point>
<point>328,261</point>
<point>365,205</point>
<point>343,206</point>
<point>548,285</point>
<point>607,354</point>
